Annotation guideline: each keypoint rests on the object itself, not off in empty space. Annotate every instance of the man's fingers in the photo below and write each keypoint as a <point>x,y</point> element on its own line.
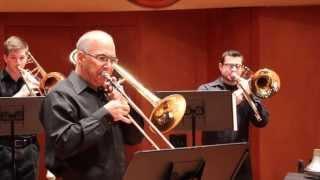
<point>126,120</point>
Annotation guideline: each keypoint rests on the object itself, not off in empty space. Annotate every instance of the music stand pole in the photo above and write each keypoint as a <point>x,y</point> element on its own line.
<point>195,112</point>
<point>13,162</point>
<point>193,127</point>
<point>17,118</point>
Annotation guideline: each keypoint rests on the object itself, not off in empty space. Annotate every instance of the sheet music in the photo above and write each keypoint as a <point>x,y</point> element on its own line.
<point>234,112</point>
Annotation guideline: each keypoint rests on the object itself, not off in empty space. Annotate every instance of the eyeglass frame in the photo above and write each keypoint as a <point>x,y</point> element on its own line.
<point>107,58</point>
<point>237,66</point>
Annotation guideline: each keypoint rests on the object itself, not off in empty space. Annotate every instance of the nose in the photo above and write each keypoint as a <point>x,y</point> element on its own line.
<point>107,66</point>
<point>21,60</point>
<point>234,68</point>
<point>234,75</point>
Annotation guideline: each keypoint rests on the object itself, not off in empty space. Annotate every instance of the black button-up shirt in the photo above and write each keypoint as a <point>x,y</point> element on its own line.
<point>8,86</point>
<point>82,141</point>
<point>26,156</point>
<point>244,115</point>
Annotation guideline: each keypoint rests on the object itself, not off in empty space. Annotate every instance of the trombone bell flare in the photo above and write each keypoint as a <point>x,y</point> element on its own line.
<point>168,113</point>
<point>73,56</point>
<point>265,83</point>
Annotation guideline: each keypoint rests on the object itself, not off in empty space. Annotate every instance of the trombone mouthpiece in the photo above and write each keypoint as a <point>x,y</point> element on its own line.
<point>235,76</point>
<point>105,74</point>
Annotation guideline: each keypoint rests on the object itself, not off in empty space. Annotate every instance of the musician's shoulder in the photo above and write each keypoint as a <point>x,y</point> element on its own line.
<point>214,85</point>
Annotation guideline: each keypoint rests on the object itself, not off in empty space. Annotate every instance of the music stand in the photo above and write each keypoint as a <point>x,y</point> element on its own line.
<point>19,116</point>
<point>199,162</point>
<point>207,110</point>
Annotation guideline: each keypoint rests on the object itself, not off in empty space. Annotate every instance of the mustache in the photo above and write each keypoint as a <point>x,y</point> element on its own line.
<point>234,76</point>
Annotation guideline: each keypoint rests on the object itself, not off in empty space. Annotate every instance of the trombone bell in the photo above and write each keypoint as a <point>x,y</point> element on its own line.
<point>168,113</point>
<point>265,83</point>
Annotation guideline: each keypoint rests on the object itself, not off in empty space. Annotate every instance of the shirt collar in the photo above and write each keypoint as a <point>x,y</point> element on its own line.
<point>227,86</point>
<point>78,83</point>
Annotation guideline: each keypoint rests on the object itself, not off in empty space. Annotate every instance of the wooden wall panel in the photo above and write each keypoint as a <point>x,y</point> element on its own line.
<point>179,50</point>
<point>52,37</point>
<point>173,47</point>
<point>289,44</point>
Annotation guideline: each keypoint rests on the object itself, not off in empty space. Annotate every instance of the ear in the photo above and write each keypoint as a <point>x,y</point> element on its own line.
<point>80,58</point>
<point>220,67</point>
<point>5,58</point>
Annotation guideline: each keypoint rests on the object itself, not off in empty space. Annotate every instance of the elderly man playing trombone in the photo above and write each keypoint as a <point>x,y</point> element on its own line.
<point>86,122</point>
<point>25,146</point>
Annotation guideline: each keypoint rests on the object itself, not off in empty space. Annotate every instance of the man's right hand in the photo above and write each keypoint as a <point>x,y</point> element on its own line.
<point>239,96</point>
<point>119,110</point>
<point>24,91</point>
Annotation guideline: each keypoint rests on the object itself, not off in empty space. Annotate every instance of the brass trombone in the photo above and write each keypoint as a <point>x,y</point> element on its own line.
<point>34,75</point>
<point>166,114</point>
<point>263,84</point>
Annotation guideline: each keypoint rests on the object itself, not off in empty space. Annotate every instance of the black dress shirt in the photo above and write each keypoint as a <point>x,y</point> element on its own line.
<point>26,153</point>
<point>82,141</point>
<point>8,86</point>
<point>245,115</point>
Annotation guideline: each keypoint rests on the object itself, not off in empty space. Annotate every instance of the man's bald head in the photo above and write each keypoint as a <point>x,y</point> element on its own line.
<point>95,52</point>
<point>96,36</point>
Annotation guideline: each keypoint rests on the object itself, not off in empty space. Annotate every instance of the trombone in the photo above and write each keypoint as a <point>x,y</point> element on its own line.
<point>35,75</point>
<point>167,113</point>
<point>263,84</point>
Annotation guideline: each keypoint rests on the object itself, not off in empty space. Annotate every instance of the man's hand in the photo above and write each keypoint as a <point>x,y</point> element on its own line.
<point>119,110</point>
<point>113,93</point>
<point>239,96</point>
<point>245,85</point>
<point>33,85</point>
<point>239,93</point>
<point>25,91</point>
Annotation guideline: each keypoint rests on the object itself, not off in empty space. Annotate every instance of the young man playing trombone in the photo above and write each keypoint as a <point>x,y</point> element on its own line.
<point>26,146</point>
<point>86,122</point>
<point>231,66</point>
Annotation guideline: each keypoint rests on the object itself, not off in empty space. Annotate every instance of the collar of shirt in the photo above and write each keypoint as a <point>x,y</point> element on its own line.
<point>81,85</point>
<point>77,82</point>
<point>227,86</point>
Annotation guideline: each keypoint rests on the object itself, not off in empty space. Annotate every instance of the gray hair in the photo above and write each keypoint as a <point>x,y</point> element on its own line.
<point>95,35</point>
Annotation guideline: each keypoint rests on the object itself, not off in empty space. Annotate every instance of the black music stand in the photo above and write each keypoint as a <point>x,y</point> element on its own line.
<point>207,110</point>
<point>19,116</point>
<point>220,162</point>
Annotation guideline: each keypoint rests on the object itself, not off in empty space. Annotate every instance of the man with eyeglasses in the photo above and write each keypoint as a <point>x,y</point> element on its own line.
<point>86,122</point>
<point>230,66</point>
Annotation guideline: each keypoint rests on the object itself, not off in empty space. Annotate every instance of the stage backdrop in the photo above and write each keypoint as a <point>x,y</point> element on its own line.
<point>179,50</point>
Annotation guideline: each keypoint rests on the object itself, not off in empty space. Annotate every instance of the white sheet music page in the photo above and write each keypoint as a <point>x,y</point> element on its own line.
<point>234,111</point>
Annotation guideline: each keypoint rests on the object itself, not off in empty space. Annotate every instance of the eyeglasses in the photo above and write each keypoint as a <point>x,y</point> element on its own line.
<point>103,58</point>
<point>237,66</point>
